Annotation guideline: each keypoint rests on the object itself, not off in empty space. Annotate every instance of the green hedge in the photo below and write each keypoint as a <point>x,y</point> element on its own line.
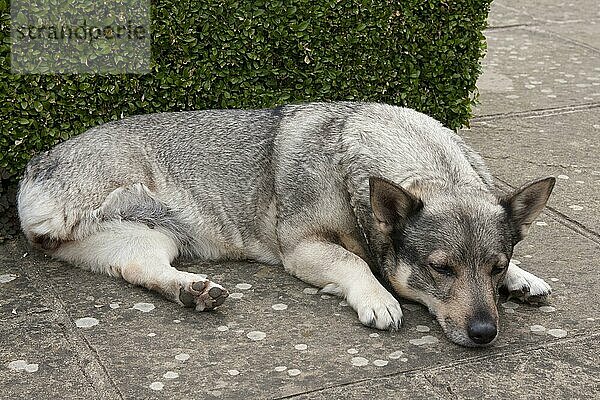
<point>253,54</point>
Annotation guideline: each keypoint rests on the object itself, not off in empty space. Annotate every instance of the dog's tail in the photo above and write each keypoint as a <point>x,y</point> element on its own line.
<point>48,219</point>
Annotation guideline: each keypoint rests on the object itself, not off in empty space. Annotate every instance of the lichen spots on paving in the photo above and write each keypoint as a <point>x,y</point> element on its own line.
<point>144,307</point>
<point>537,329</point>
<point>256,335</point>
<point>243,286</point>
<point>509,305</point>
<point>424,340</point>
<point>557,333</point>
<point>171,375</point>
<point>5,278</point>
<point>359,361</point>
<point>22,365</point>
<point>182,357</point>
<point>86,322</point>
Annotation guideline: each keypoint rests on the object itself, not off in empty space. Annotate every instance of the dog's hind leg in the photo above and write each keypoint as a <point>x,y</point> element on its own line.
<point>524,285</point>
<point>338,271</point>
<point>142,256</point>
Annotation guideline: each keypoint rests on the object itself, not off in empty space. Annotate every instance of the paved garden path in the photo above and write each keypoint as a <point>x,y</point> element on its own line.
<point>68,334</point>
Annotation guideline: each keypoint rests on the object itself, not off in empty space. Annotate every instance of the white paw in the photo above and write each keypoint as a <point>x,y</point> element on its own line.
<point>377,309</point>
<point>524,285</point>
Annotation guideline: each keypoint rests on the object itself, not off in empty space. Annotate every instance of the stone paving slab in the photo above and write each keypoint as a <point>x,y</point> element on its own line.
<point>413,386</point>
<point>39,363</point>
<point>502,15</point>
<point>35,354</point>
<point>587,33</point>
<point>565,145</point>
<point>278,339</point>
<point>545,12</point>
<point>562,371</point>
<point>530,70</point>
<point>320,343</point>
<point>569,263</point>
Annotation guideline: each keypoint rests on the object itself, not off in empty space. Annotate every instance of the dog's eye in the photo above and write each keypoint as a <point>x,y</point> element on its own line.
<point>498,269</point>
<point>443,269</point>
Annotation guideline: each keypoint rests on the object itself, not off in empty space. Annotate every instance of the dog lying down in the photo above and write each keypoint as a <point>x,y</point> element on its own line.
<point>365,201</point>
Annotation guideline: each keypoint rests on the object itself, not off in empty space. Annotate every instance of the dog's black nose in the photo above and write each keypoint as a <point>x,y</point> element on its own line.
<point>481,331</point>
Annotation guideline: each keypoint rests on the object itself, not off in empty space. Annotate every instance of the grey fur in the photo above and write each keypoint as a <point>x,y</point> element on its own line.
<point>233,184</point>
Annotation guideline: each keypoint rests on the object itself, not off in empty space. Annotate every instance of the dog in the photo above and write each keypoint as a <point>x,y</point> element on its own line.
<point>367,201</point>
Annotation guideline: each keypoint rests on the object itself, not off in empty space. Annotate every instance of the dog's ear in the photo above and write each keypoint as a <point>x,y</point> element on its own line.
<point>526,203</point>
<point>391,204</point>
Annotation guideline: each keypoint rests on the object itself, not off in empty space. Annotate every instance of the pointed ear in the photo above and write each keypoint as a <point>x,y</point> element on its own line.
<point>391,204</point>
<point>526,203</point>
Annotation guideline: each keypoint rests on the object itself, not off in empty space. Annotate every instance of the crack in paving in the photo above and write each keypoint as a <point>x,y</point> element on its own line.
<point>576,338</point>
<point>503,352</point>
<point>573,225</point>
<point>350,383</point>
<point>558,216</point>
<point>446,389</point>
<point>538,21</point>
<point>503,27</point>
<point>94,371</point>
<point>537,113</point>
<point>516,11</point>
<point>565,38</point>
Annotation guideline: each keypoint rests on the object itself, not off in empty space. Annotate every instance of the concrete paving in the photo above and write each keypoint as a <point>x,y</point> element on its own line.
<point>69,334</point>
<point>529,69</point>
<point>566,145</point>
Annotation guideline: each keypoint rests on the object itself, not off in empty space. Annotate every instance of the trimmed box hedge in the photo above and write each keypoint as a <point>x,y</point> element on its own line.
<point>256,54</point>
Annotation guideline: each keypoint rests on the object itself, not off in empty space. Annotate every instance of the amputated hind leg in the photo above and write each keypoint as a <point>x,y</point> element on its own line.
<point>142,256</point>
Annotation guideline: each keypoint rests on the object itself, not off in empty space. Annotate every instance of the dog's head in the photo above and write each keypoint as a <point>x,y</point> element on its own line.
<point>451,251</point>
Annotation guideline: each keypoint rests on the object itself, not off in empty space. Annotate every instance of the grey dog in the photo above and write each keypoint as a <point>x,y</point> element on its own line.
<point>361,200</point>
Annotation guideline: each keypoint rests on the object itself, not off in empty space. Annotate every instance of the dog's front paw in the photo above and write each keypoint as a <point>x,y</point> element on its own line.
<point>381,311</point>
<point>525,286</point>
<point>202,295</point>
